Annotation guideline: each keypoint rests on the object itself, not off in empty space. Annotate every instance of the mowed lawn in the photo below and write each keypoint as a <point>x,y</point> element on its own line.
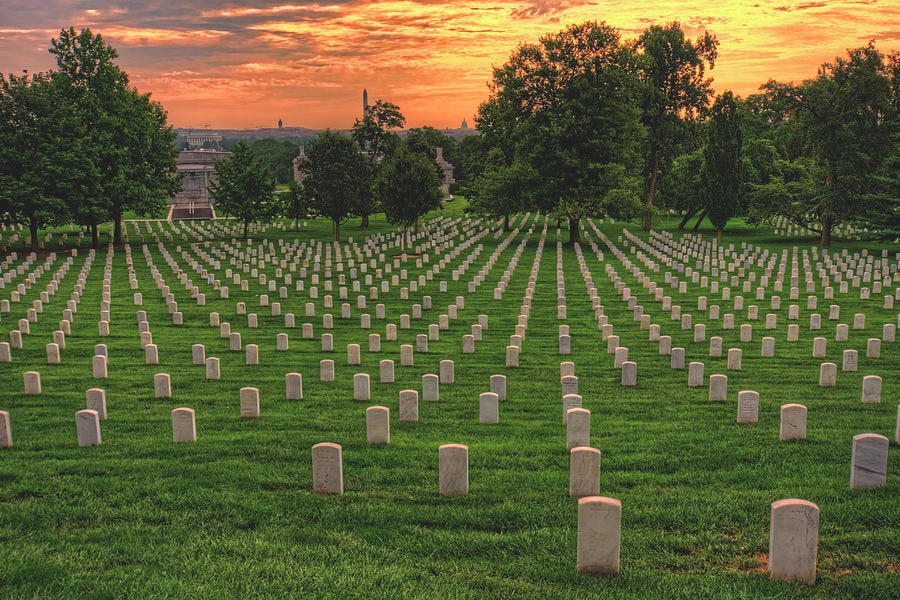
<point>234,514</point>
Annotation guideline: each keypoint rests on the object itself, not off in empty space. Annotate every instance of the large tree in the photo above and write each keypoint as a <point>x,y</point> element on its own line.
<point>502,190</point>
<point>846,122</point>
<point>723,163</point>
<point>337,175</point>
<point>407,187</point>
<point>43,154</point>
<point>566,107</point>
<point>244,188</point>
<point>127,137</point>
<point>673,70</point>
<point>376,136</point>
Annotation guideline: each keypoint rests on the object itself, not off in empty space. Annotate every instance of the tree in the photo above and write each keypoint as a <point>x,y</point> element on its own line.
<point>407,187</point>
<point>566,107</point>
<point>278,157</point>
<point>127,137</point>
<point>295,205</point>
<point>502,190</point>
<point>42,153</point>
<point>337,174</point>
<point>847,121</point>
<point>672,69</point>
<point>373,134</point>
<point>723,164</point>
<point>243,187</point>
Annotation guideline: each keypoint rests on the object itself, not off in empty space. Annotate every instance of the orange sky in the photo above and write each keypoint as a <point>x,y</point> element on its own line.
<point>248,63</point>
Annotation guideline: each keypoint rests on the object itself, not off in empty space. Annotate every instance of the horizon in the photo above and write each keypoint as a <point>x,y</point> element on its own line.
<point>247,64</point>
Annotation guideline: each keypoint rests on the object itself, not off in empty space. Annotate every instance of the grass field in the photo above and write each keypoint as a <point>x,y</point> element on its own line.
<point>234,515</point>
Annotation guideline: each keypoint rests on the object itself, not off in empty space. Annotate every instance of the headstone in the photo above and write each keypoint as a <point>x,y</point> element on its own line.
<point>32,383</point>
<point>447,376</point>
<point>868,463</point>
<point>734,359</point>
<point>578,428</point>
<point>198,354</point>
<point>871,389</point>
<point>748,407</point>
<point>851,360</point>
<point>570,401</point>
<point>599,535</point>
<point>293,386</point>
<point>827,375</point>
<point>409,405</point>
<point>98,365</point>
<point>430,388</point>
<point>873,348</point>
<point>695,374</point>
<point>677,361</point>
<point>249,402</point>
<point>512,356</point>
<point>793,540</point>
<point>584,472</point>
<point>378,425</point>
<point>252,354</point>
<point>453,470</point>
<point>5,431</point>
<point>328,469</point>
<point>718,387</point>
<point>820,346</point>
<point>793,422</point>
<point>361,389</point>
<point>488,408</point>
<point>184,425</point>
<point>326,370</point>
<point>498,386</point>
<point>386,371</point>
<point>95,399</point>
<point>406,355</point>
<point>87,426</point>
<point>629,373</point>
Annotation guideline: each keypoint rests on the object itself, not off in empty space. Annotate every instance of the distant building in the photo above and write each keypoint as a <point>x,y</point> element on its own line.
<point>280,124</point>
<point>446,172</point>
<point>365,104</point>
<point>298,174</point>
<point>464,125</point>
<point>197,170</point>
<point>197,139</point>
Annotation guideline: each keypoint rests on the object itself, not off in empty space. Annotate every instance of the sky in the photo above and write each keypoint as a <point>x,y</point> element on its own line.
<point>247,64</point>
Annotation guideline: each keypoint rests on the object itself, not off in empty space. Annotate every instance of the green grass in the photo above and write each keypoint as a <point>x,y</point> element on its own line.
<point>234,514</point>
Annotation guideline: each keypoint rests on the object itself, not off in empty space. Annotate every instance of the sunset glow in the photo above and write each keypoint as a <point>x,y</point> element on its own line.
<point>247,64</point>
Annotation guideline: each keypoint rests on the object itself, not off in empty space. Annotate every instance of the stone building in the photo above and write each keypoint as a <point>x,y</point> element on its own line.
<point>197,171</point>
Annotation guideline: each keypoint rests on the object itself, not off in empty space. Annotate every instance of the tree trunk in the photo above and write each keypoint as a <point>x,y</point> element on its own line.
<point>365,222</point>
<point>699,220</point>
<point>297,224</point>
<point>337,230</point>
<point>719,235</point>
<point>687,217</point>
<point>33,231</point>
<point>506,223</point>
<point>651,194</point>
<point>574,231</point>
<point>95,235</point>
<point>825,239</point>
<point>117,232</point>
<point>246,228</point>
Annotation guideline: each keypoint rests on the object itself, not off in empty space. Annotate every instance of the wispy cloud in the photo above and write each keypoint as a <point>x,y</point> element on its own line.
<point>235,63</point>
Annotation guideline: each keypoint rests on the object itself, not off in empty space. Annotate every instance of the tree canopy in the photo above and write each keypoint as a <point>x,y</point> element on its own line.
<point>407,187</point>
<point>243,187</point>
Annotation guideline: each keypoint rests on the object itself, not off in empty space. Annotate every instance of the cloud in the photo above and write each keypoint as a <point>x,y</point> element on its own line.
<point>545,8</point>
<point>803,6</point>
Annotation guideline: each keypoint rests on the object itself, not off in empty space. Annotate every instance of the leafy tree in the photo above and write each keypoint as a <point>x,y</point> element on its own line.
<point>374,135</point>
<point>277,156</point>
<point>566,107</point>
<point>471,154</point>
<point>337,174</point>
<point>407,187</point>
<point>127,138</point>
<point>723,165</point>
<point>42,158</point>
<point>846,118</point>
<point>502,190</point>
<point>684,182</point>
<point>243,187</point>
<point>295,204</point>
<point>673,70</point>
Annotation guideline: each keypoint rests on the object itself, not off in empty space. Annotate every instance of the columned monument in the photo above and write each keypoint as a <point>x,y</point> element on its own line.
<point>197,170</point>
